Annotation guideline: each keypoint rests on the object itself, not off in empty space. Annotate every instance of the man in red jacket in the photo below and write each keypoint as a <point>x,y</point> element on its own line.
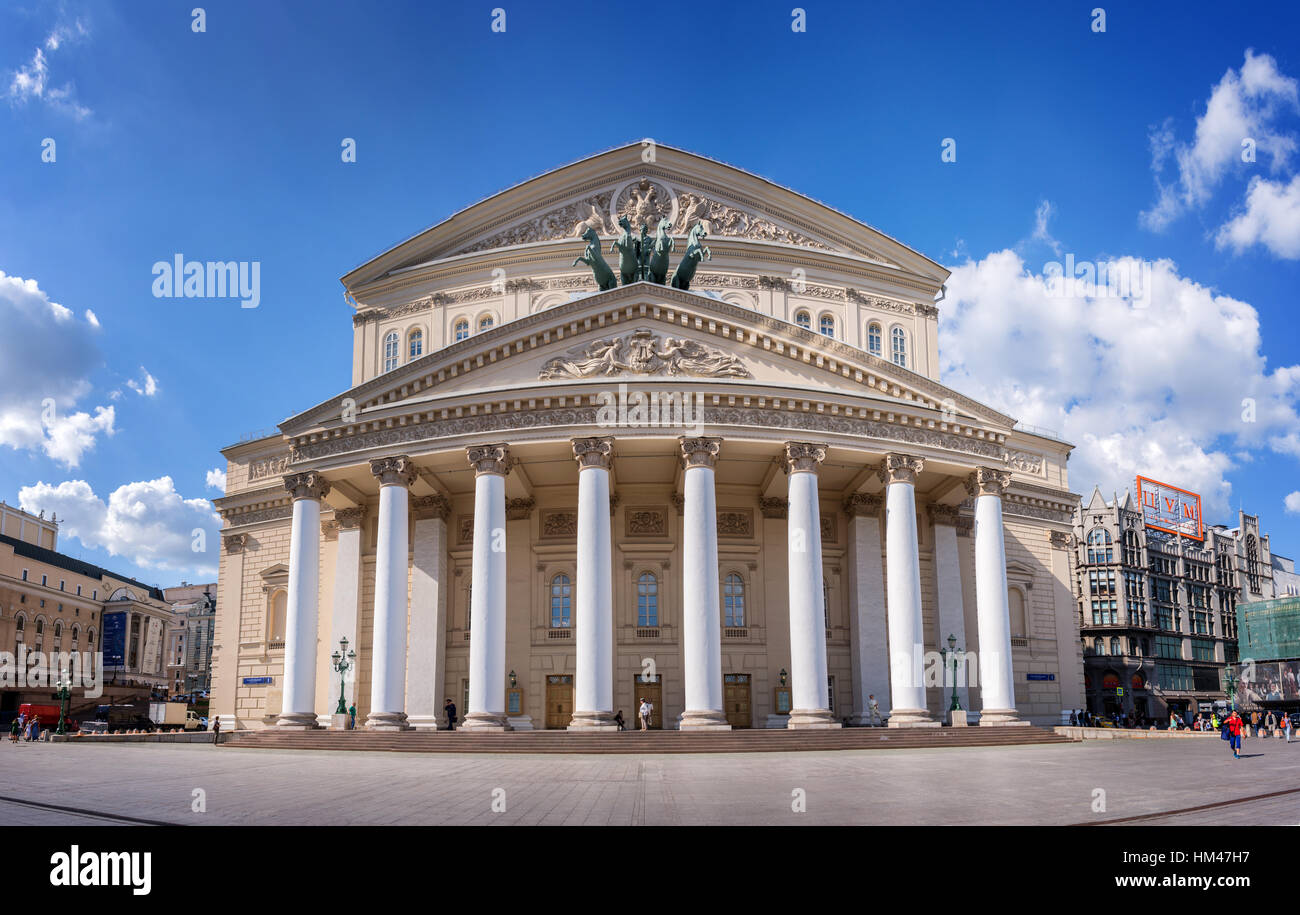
<point>1233,725</point>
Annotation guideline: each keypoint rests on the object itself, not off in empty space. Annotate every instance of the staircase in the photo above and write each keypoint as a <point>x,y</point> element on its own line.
<point>747,741</point>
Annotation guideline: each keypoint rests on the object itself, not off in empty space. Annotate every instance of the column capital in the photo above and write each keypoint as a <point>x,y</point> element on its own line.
<point>428,507</point>
<point>987,481</point>
<point>235,543</point>
<point>519,509</point>
<point>802,457</point>
<point>679,502</point>
<point>900,468</point>
<point>329,529</point>
<point>863,505</point>
<point>349,519</point>
<point>593,452</point>
<point>943,514</point>
<point>309,485</point>
<point>773,508</point>
<point>699,451</point>
<point>490,459</point>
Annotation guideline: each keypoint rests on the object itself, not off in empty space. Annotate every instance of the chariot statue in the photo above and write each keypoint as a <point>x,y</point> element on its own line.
<point>605,278</point>
<point>695,252</point>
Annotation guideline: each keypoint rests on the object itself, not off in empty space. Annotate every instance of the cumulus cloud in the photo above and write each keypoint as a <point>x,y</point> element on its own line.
<point>147,386</point>
<point>1292,503</point>
<point>217,479</point>
<point>1270,217</point>
<point>31,82</point>
<point>147,523</point>
<point>1170,382</point>
<point>46,356</point>
<point>1245,105</point>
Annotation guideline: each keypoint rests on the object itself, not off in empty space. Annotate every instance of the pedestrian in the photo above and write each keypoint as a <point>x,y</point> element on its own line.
<point>618,720</point>
<point>450,708</point>
<point>1285,725</point>
<point>14,728</point>
<point>34,728</point>
<point>1254,723</point>
<point>1074,719</point>
<point>352,710</point>
<point>644,714</point>
<point>1233,727</point>
<point>873,709</point>
<point>216,731</point>
<point>1270,724</point>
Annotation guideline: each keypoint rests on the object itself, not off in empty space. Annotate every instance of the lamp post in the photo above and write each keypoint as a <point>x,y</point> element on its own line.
<point>951,652</point>
<point>64,696</point>
<point>343,662</point>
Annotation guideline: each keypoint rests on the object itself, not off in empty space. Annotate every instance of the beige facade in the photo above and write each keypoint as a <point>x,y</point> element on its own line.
<point>805,327</point>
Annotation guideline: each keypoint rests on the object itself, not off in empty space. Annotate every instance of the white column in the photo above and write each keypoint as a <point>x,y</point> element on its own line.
<point>906,627</point>
<point>345,616</point>
<point>993,619</point>
<point>487,641</point>
<point>701,608</point>
<point>952,613</point>
<point>809,691</point>
<point>392,581</point>
<point>868,634</point>
<point>426,649</point>
<point>593,680</point>
<point>298,707</point>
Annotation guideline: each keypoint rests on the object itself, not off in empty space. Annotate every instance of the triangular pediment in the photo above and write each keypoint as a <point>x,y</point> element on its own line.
<point>673,184</point>
<point>646,334</point>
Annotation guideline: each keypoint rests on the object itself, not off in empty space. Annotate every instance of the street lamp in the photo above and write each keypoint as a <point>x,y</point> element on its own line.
<point>951,652</point>
<point>343,662</point>
<point>64,696</point>
<point>783,676</point>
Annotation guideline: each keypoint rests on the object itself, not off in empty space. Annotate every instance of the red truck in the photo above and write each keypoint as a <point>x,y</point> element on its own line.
<point>49,715</point>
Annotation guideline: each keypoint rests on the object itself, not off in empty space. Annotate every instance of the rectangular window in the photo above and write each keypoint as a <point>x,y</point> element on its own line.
<point>24,574</point>
<point>1202,650</point>
<point>1168,646</point>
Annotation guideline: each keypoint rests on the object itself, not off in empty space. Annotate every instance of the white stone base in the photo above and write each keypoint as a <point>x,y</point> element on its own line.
<point>866,721</point>
<point>812,719</point>
<point>911,718</point>
<point>702,720</point>
<point>484,721</point>
<point>386,721</point>
<point>228,723</point>
<point>593,721</point>
<point>341,722</point>
<point>522,723</point>
<point>1001,718</point>
<point>777,721</point>
<point>297,721</point>
<point>957,718</point>
<point>424,723</point>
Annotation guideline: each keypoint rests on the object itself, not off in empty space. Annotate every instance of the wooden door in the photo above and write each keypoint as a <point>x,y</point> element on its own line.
<point>559,701</point>
<point>653,692</point>
<point>735,698</point>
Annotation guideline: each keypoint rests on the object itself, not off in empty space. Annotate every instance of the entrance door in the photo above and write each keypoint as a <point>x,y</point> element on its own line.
<point>653,692</point>
<point>735,698</point>
<point>559,700</point>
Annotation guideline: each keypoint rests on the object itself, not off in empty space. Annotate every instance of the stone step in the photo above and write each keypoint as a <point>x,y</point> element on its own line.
<point>746,741</point>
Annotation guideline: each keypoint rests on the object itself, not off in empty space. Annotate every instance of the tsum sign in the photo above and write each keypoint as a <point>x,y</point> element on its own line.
<point>1170,509</point>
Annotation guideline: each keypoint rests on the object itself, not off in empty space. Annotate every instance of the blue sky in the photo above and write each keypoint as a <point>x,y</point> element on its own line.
<point>225,145</point>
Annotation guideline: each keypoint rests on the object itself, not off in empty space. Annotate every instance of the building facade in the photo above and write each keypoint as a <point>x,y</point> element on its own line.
<point>557,486</point>
<point>1158,613</point>
<point>195,607</point>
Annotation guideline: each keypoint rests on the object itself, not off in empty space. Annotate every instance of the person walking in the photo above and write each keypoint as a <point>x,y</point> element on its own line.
<point>643,712</point>
<point>618,720</point>
<point>352,710</point>
<point>450,708</point>
<point>1234,734</point>
<point>34,728</point>
<point>1270,725</point>
<point>873,710</point>
<point>1284,724</point>
<point>14,728</point>
<point>216,731</point>
<point>1254,724</point>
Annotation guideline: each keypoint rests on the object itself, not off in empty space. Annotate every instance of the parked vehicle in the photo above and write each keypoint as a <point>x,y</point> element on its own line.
<point>49,715</point>
<point>174,716</point>
<point>126,717</point>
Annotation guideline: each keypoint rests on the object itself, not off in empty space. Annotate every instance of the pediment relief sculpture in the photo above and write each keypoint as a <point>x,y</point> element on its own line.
<point>643,352</point>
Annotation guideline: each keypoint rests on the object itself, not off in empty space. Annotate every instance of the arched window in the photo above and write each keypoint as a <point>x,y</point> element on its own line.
<point>827,325</point>
<point>390,351</point>
<point>20,623</point>
<point>460,331</point>
<point>415,345</point>
<point>803,319</point>
<point>733,601</point>
<point>279,615</point>
<point>1100,546</point>
<point>561,601</point>
<point>1114,646</point>
<point>485,322</point>
<point>875,339</point>
<point>1099,645</point>
<point>898,346</point>
<point>1252,562</point>
<point>647,600</point>
<point>76,635</point>
<point>90,639</point>
<point>58,634</point>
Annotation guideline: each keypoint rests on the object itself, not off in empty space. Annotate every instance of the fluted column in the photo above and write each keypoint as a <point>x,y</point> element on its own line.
<point>701,608</point>
<point>809,690</point>
<point>944,521</point>
<point>593,681</point>
<point>487,641</point>
<point>903,594</point>
<point>993,617</point>
<point>298,707</point>
<point>392,580</point>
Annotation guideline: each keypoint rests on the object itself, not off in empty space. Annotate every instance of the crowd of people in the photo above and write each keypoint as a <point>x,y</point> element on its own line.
<point>27,728</point>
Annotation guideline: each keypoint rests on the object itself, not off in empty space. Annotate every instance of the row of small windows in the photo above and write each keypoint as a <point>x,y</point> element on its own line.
<point>45,581</point>
<point>875,336</point>
<point>20,630</point>
<point>647,601</point>
<point>415,341</point>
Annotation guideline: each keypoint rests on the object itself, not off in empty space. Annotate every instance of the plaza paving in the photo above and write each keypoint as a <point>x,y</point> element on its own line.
<point>987,785</point>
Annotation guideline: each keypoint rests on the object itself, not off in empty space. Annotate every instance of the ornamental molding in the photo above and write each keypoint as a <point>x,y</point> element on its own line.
<point>699,451</point>
<point>258,516</point>
<point>520,509</point>
<point>643,352</point>
<point>1025,461</point>
<point>830,530</point>
<point>559,525</point>
<point>679,502</point>
<point>594,452</point>
<point>306,485</point>
<point>736,523</point>
<point>234,543</point>
<point>398,470</point>
<point>773,508</point>
<point>863,505</point>
<point>329,530</point>
<point>427,508</point>
<point>645,522</point>
<point>944,514</point>
<point>900,468</point>
<point>268,467</point>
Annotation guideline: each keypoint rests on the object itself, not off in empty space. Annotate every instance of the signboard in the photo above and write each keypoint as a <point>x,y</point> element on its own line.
<point>1170,509</point>
<point>1040,676</point>
<point>256,681</point>
<point>152,662</point>
<point>113,639</point>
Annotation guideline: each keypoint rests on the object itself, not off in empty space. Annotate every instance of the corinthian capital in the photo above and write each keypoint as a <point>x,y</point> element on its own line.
<point>309,485</point>
<point>393,471</point>
<point>349,519</point>
<point>593,452</point>
<point>862,505</point>
<point>803,457</point>
<point>427,508</point>
<point>900,468</point>
<point>490,459</point>
<point>943,514</point>
<point>986,481</point>
<point>699,451</point>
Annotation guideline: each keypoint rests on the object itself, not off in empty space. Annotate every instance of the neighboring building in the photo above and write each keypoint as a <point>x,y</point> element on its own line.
<point>728,565</point>
<point>195,607</point>
<point>1286,581</point>
<point>1268,676</point>
<point>1158,613</point>
<point>51,602</point>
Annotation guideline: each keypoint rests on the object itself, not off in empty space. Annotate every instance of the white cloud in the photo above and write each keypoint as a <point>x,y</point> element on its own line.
<point>32,81</point>
<point>146,386</point>
<point>1156,389</point>
<point>1271,217</point>
<point>1042,216</point>
<point>148,523</point>
<point>1292,503</point>
<point>1245,105</point>
<point>217,479</point>
<point>46,357</point>
<point>91,318</point>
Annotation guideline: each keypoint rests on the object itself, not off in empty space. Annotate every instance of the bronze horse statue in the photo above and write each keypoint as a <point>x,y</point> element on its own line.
<point>662,247</point>
<point>695,252</point>
<point>626,246</point>
<point>605,278</point>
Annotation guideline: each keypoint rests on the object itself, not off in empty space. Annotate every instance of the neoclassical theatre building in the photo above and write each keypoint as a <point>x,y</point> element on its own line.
<point>647,426</point>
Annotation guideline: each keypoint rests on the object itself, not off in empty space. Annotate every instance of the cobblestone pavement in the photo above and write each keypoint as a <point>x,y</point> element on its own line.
<point>988,785</point>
